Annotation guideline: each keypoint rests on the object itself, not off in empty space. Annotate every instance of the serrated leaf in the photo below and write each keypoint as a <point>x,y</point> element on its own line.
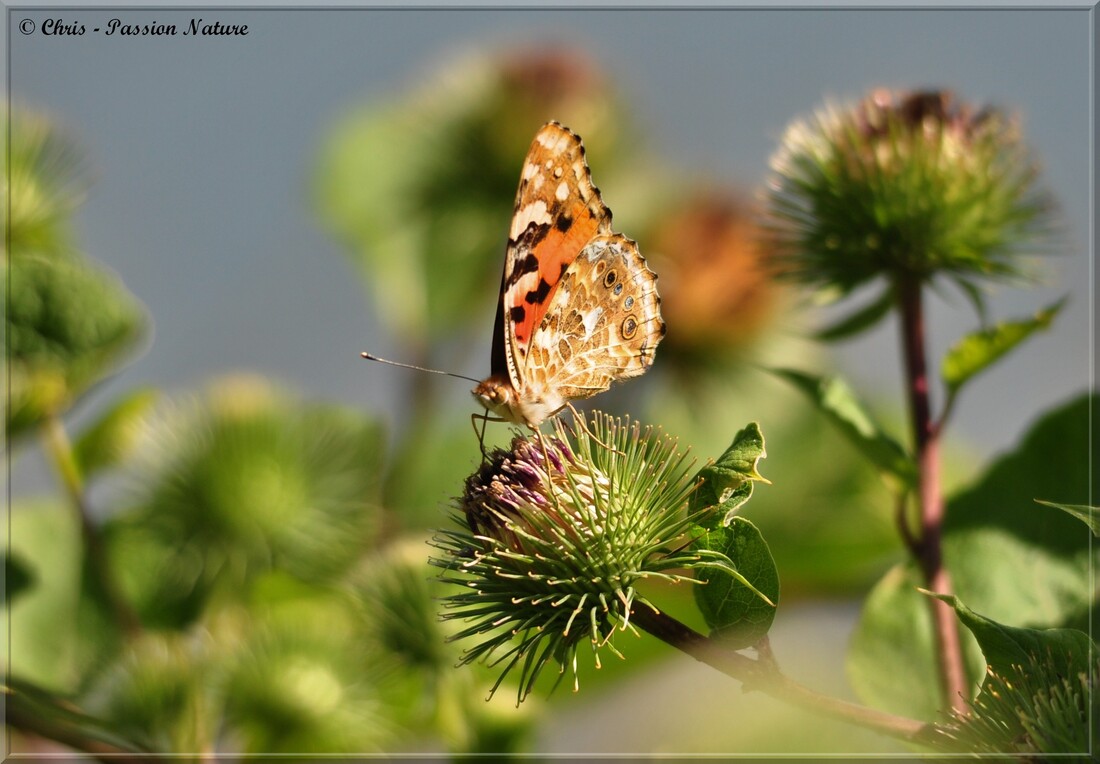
<point>739,609</point>
<point>1006,647</point>
<point>727,483</point>
<point>744,454</point>
<point>837,401</point>
<point>860,320</point>
<point>109,440</point>
<point>1088,515</point>
<point>978,351</point>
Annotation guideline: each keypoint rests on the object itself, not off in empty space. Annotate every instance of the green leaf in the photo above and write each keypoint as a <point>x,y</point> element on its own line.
<point>976,352</point>
<point>44,635</point>
<point>727,483</point>
<point>732,605</point>
<point>1011,562</point>
<point>838,402</point>
<point>110,439</point>
<point>1089,515</point>
<point>860,320</point>
<point>1006,647</point>
<point>890,662</point>
<point>1005,558</point>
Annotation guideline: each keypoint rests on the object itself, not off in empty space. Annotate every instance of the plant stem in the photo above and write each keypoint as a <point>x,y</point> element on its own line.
<point>927,546</point>
<point>763,675</point>
<point>35,713</point>
<point>61,452</point>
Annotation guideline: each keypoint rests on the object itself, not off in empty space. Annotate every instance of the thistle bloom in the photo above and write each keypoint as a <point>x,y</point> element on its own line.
<point>905,185</point>
<point>561,529</point>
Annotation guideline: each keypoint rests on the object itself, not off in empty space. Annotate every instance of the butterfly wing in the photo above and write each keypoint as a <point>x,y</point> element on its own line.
<point>557,212</point>
<point>603,324</point>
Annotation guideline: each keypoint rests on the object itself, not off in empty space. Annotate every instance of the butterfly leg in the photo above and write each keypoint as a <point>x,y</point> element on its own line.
<point>481,435</point>
<point>578,419</point>
<point>485,419</point>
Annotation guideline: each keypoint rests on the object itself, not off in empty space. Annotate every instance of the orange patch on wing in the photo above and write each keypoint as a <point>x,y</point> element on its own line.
<point>554,254</point>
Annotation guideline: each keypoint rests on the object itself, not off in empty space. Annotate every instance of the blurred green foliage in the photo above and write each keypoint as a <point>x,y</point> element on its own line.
<point>69,322</point>
<point>420,191</point>
<point>237,526</point>
<point>46,176</point>
<point>1010,558</point>
<point>271,548</point>
<point>68,325</point>
<point>248,483</point>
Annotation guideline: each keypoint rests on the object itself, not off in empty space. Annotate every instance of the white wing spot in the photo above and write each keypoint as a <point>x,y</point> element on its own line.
<point>535,212</point>
<point>548,138</point>
<point>562,192</point>
<point>590,320</point>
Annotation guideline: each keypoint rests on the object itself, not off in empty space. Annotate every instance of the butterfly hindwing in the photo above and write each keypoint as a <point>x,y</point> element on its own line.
<point>603,323</point>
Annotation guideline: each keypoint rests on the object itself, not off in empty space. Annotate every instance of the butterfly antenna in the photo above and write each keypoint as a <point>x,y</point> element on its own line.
<point>372,357</point>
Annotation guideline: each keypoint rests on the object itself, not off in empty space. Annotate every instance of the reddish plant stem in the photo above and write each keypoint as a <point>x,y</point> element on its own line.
<point>927,545</point>
<point>763,675</point>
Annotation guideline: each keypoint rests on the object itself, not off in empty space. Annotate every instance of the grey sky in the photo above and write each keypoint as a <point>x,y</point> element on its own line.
<point>204,147</point>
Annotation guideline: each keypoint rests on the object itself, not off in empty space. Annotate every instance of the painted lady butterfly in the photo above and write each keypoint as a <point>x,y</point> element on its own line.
<point>578,305</point>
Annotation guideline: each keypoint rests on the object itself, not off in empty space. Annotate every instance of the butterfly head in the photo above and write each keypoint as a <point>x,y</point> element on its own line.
<point>498,396</point>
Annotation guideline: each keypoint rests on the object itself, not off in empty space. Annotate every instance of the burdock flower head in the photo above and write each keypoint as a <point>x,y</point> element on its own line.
<point>560,530</point>
<point>906,186</point>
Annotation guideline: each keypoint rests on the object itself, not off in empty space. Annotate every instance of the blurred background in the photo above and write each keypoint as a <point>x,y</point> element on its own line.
<point>340,180</point>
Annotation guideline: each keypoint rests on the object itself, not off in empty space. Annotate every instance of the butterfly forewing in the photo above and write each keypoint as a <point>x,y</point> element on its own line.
<point>558,210</point>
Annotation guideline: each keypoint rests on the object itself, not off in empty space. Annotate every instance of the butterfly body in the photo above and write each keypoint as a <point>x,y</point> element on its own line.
<point>578,305</point>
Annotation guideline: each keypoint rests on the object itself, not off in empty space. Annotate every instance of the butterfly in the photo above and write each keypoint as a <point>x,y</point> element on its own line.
<point>578,305</point>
